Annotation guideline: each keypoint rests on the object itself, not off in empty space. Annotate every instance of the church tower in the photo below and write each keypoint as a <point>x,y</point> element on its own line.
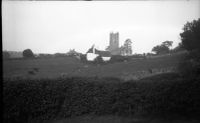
<point>114,43</point>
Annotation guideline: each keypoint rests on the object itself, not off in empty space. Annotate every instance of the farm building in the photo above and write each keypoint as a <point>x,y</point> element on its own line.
<point>93,53</point>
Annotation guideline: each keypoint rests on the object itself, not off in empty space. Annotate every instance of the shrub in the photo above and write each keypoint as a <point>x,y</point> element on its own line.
<point>28,53</point>
<point>98,60</point>
<point>119,58</point>
<point>26,100</point>
<point>83,58</point>
<point>60,55</point>
<point>190,65</point>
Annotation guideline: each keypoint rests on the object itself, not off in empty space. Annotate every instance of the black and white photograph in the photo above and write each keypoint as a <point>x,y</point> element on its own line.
<point>101,61</point>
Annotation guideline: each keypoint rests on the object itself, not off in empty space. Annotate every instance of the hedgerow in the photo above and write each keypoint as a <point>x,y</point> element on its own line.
<point>26,100</point>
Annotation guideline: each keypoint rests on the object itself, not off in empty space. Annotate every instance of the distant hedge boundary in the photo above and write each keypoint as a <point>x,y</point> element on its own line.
<point>45,99</point>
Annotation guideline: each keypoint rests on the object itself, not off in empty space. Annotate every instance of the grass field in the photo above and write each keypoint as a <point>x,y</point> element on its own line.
<point>68,66</point>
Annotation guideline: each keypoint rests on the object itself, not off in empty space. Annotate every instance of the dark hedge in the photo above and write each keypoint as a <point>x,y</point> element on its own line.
<point>45,99</point>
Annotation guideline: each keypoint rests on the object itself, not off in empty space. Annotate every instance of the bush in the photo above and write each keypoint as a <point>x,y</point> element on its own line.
<point>98,60</point>
<point>164,95</point>
<point>59,55</point>
<point>83,57</point>
<point>41,55</point>
<point>28,53</point>
<point>119,58</point>
<point>190,65</point>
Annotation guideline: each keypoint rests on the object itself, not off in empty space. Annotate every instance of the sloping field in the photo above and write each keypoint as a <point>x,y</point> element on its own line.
<point>57,67</point>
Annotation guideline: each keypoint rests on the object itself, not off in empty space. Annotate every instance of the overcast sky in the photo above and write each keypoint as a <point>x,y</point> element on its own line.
<point>50,26</point>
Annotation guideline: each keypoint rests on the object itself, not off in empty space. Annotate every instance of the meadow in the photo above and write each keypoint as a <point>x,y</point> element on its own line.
<point>69,66</point>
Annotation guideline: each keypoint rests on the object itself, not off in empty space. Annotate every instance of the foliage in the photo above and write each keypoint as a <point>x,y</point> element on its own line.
<point>178,48</point>
<point>119,58</point>
<point>160,49</point>
<point>59,55</point>
<point>72,52</point>
<point>98,60</point>
<point>43,55</point>
<point>163,48</point>
<point>83,58</point>
<point>6,55</point>
<point>127,48</point>
<point>28,53</point>
<point>25,100</point>
<point>191,35</point>
<point>190,65</point>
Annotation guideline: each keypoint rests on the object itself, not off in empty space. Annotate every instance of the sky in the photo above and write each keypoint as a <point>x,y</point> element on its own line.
<point>58,26</point>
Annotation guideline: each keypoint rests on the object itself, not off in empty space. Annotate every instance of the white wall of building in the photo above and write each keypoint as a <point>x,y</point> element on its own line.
<point>91,56</point>
<point>106,58</point>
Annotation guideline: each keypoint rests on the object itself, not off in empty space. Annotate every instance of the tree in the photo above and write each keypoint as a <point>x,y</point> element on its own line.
<point>28,53</point>
<point>160,49</point>
<point>178,48</point>
<point>127,48</point>
<point>163,48</point>
<point>191,35</point>
<point>72,52</point>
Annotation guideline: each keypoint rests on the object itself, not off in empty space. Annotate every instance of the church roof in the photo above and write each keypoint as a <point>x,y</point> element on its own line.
<point>100,52</point>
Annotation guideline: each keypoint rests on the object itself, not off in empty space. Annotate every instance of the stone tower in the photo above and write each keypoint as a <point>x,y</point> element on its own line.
<point>114,43</point>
